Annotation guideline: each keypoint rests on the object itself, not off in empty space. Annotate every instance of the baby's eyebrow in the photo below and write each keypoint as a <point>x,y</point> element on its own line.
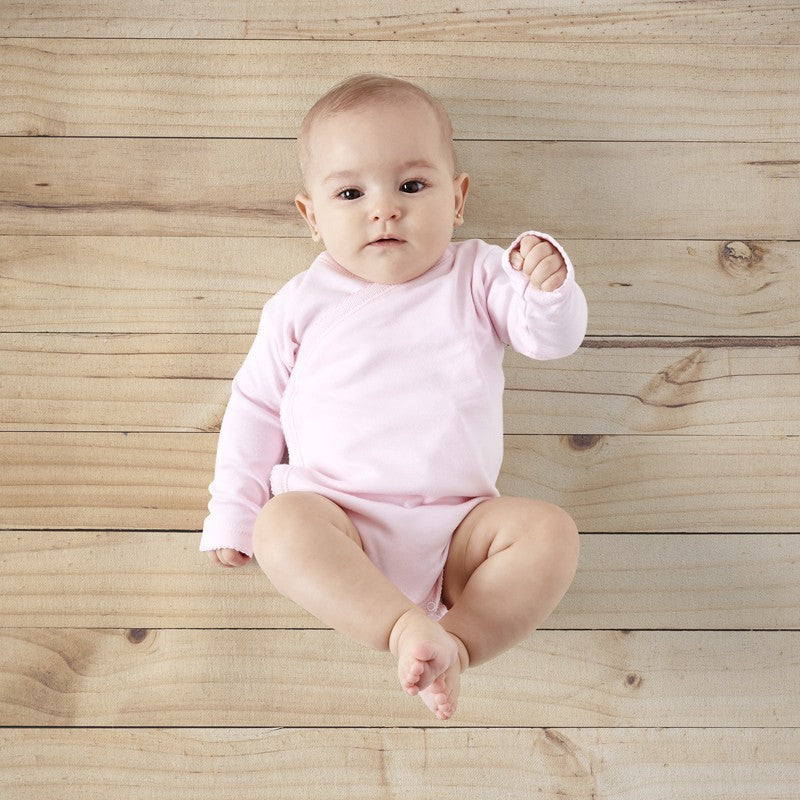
<point>417,163</point>
<point>341,175</point>
<point>349,174</point>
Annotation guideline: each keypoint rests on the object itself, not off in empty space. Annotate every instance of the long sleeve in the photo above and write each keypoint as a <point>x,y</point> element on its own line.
<point>251,441</point>
<point>538,324</point>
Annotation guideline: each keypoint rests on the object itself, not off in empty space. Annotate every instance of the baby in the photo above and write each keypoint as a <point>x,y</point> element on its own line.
<point>380,370</point>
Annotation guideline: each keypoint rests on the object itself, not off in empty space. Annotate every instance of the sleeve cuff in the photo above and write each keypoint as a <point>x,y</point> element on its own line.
<point>236,538</point>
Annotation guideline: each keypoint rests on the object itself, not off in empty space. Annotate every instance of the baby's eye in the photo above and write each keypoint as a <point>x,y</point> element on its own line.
<point>412,187</point>
<point>349,194</point>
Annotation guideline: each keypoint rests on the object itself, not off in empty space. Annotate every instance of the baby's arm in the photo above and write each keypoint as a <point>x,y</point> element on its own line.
<point>534,302</point>
<point>250,444</point>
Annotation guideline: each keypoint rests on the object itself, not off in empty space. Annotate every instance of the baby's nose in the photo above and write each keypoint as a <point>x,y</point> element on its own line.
<point>385,208</point>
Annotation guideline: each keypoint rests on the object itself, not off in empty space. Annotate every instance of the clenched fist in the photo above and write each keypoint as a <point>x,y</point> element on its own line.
<point>541,262</point>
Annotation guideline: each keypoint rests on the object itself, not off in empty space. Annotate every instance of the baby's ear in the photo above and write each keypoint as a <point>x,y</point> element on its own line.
<point>305,207</point>
<point>461,188</point>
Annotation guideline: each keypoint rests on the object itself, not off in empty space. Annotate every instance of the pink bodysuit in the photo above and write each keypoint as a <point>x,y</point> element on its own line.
<point>389,400</point>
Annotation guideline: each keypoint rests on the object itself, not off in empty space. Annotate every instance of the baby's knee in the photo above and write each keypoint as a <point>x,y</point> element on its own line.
<point>549,532</point>
<point>561,542</point>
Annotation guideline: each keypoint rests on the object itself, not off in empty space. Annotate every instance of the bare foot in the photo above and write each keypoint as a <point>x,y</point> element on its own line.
<point>441,696</point>
<point>423,649</point>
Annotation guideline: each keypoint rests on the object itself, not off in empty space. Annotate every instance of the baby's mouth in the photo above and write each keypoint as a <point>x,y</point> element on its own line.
<point>387,241</point>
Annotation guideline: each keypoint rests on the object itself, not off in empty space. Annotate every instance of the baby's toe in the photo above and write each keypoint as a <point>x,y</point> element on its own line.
<point>410,675</point>
<point>445,711</point>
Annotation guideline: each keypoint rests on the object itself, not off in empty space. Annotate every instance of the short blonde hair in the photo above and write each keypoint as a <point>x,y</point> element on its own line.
<point>361,90</point>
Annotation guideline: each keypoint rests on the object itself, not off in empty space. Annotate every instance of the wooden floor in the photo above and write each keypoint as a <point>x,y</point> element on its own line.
<point>147,170</point>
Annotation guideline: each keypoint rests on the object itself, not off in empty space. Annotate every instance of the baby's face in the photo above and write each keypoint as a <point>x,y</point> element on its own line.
<point>381,191</point>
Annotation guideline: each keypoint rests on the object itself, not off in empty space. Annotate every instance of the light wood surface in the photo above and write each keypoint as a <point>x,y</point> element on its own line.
<point>191,284</point>
<point>431,764</point>
<point>146,215</point>
<point>134,677</point>
<point>58,579</point>
<point>649,483</point>
<point>703,21</point>
<point>182,382</point>
<point>736,191</point>
<point>261,89</point>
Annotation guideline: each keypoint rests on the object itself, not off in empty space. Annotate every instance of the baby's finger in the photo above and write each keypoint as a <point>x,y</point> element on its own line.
<point>236,559</point>
<point>555,281</point>
<point>516,259</point>
<point>227,557</point>
<point>550,273</point>
<point>538,253</point>
<point>527,243</point>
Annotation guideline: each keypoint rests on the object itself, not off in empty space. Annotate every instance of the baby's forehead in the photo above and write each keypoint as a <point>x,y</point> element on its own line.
<point>349,121</point>
<point>400,102</point>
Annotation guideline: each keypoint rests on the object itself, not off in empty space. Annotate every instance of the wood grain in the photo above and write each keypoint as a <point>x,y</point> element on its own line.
<point>154,382</point>
<point>704,21</point>
<point>148,177</point>
<point>559,91</point>
<point>105,480</point>
<point>662,386</point>
<point>127,579</point>
<point>72,677</point>
<point>586,189</point>
<point>664,483</point>
<point>195,284</point>
<point>621,484</point>
<point>430,764</point>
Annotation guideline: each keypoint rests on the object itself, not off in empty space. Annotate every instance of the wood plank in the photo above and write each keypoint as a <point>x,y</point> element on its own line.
<point>560,91</point>
<point>94,382</point>
<point>111,677</point>
<point>127,579</point>
<point>105,480</point>
<point>117,381</point>
<point>219,285</point>
<point>209,187</point>
<point>658,386</point>
<point>471,20</point>
<point>661,288</point>
<point>182,383</point>
<point>623,484</point>
<point>428,763</point>
<point>147,284</point>
<point>664,483</point>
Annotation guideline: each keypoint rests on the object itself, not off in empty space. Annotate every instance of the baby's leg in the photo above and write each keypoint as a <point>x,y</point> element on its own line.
<point>511,560</point>
<point>312,553</point>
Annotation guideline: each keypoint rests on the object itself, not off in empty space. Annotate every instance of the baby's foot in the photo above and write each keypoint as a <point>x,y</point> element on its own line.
<point>441,696</point>
<point>424,650</point>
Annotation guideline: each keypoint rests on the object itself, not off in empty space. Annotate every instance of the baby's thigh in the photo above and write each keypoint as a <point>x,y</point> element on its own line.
<point>300,517</point>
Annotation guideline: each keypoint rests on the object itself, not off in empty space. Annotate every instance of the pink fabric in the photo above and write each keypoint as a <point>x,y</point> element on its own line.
<point>389,398</point>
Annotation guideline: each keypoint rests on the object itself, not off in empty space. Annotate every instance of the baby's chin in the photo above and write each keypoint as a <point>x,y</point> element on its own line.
<point>387,269</point>
<point>386,274</point>
<point>396,277</point>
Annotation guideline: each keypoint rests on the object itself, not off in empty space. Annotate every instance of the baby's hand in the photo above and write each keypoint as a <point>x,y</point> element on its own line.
<point>226,557</point>
<point>541,262</point>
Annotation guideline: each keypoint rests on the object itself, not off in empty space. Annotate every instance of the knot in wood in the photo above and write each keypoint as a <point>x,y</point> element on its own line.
<point>633,680</point>
<point>136,635</point>
<point>740,258</point>
<point>583,441</point>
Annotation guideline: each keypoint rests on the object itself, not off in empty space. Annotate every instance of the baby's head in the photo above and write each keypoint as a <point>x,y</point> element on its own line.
<point>380,184</point>
<point>360,91</point>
